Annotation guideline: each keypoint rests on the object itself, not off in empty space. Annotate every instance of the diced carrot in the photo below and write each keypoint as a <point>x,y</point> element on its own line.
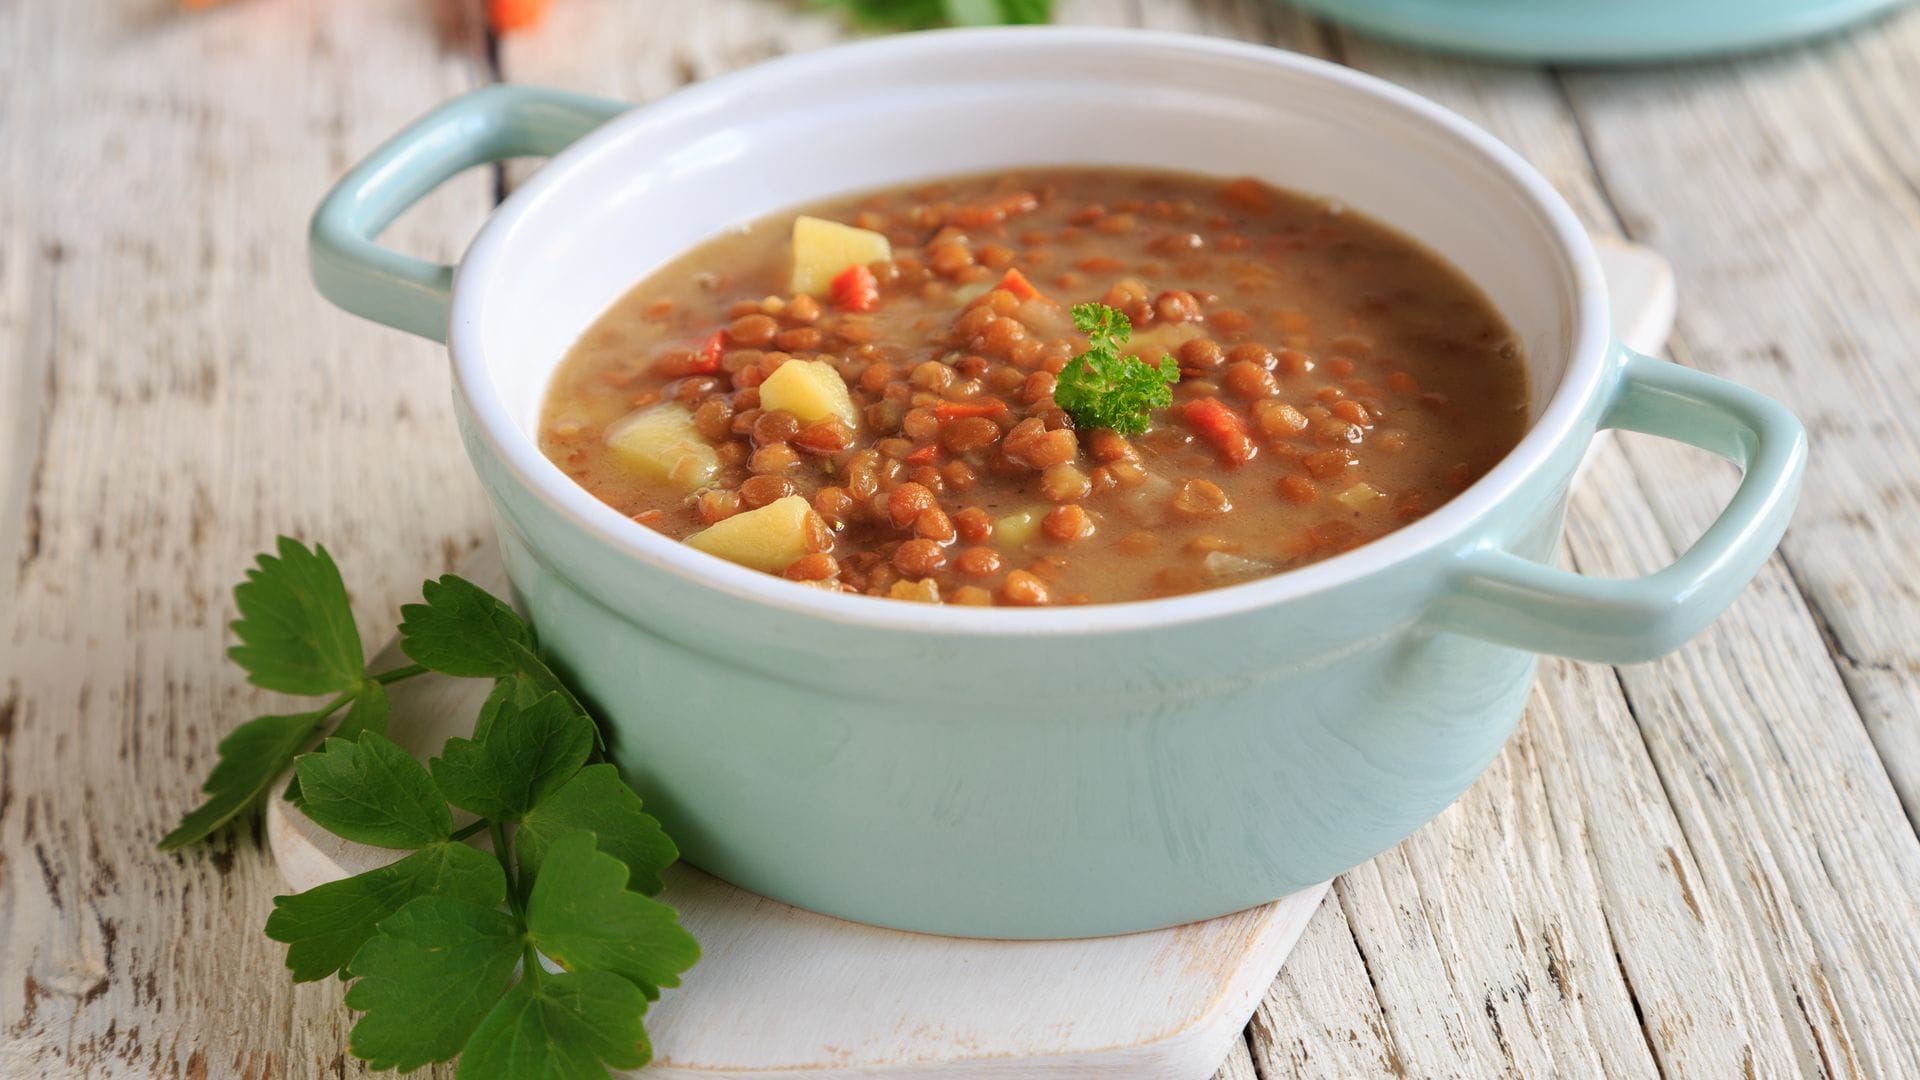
<point>855,289</point>
<point>953,410</point>
<point>506,16</point>
<point>1220,426</point>
<point>1016,283</point>
<point>926,455</point>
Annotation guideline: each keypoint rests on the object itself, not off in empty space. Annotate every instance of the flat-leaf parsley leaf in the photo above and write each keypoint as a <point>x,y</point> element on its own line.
<point>250,757</point>
<point>597,800</point>
<point>428,978</point>
<point>582,914</point>
<point>447,950</point>
<point>524,756</point>
<point>296,636</point>
<point>1101,388</point>
<point>323,927</point>
<point>373,792</point>
<point>560,1027</point>
<point>295,628</point>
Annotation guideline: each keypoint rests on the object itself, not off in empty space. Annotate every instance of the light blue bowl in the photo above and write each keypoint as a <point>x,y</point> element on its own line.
<point>1599,30</point>
<point>1073,771</point>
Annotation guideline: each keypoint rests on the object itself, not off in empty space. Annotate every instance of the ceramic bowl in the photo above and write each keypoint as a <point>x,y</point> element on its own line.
<point>1599,31</point>
<point>1071,771</point>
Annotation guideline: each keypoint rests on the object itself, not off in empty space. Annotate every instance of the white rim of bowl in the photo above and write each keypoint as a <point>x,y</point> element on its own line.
<point>539,476</point>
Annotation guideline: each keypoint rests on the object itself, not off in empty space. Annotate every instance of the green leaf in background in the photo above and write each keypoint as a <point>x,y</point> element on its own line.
<point>326,925</point>
<point>582,915</point>
<point>249,758</point>
<point>568,1026</point>
<point>997,12</point>
<point>597,800</point>
<point>373,792</point>
<point>463,630</point>
<point>296,627</point>
<point>426,979</point>
<point>527,753</point>
<point>922,14</point>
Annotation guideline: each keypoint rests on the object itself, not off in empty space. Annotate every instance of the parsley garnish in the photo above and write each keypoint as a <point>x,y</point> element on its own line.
<point>445,947</point>
<point>921,14</point>
<point>1101,388</point>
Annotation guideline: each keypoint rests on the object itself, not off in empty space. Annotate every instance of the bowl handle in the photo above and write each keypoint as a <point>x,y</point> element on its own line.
<point>1501,597</point>
<point>487,125</point>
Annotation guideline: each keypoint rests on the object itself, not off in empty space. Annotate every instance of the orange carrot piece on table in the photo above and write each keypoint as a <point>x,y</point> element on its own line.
<point>507,16</point>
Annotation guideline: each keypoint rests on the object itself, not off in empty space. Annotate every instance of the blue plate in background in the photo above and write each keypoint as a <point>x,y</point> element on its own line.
<point>1597,30</point>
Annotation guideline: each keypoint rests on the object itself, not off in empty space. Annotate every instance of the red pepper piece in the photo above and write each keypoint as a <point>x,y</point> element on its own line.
<point>710,351</point>
<point>855,289</point>
<point>1220,426</point>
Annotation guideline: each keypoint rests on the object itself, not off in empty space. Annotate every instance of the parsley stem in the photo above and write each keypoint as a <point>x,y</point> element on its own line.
<point>397,674</point>
<point>479,826</point>
<point>499,834</point>
<point>332,707</point>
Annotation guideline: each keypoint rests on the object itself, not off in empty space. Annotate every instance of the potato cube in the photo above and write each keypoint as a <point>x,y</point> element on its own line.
<point>1161,340</point>
<point>811,390</point>
<point>1360,496</point>
<point>823,249</point>
<point>662,443</point>
<point>769,538</point>
<point>1015,529</point>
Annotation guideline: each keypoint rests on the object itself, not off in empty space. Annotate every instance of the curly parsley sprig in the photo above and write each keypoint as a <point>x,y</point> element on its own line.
<point>1101,388</point>
<point>448,948</point>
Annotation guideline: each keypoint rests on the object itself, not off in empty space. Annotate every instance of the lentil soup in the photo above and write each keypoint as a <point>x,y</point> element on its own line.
<point>862,395</point>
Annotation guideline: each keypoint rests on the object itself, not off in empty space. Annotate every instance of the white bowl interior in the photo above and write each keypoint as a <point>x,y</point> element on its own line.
<point>735,149</point>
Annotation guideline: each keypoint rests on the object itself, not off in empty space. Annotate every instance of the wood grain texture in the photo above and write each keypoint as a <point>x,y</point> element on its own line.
<point>1701,867</point>
<point>175,394</point>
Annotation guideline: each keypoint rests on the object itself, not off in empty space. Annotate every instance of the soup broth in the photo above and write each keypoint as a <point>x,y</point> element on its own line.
<point>867,394</point>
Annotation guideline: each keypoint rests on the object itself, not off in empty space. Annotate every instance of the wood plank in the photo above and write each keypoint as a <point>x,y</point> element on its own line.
<point>1801,858</point>
<point>1790,186</point>
<point>1322,1015</point>
<point>1812,934</point>
<point>1239,1064</point>
<point>186,395</point>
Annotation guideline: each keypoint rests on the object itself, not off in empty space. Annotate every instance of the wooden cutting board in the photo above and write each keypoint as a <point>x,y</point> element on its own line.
<point>786,994</point>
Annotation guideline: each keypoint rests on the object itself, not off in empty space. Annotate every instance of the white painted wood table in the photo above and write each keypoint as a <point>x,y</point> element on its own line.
<point>1705,866</point>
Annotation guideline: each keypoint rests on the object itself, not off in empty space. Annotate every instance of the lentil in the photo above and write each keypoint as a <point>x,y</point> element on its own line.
<point>1337,382</point>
